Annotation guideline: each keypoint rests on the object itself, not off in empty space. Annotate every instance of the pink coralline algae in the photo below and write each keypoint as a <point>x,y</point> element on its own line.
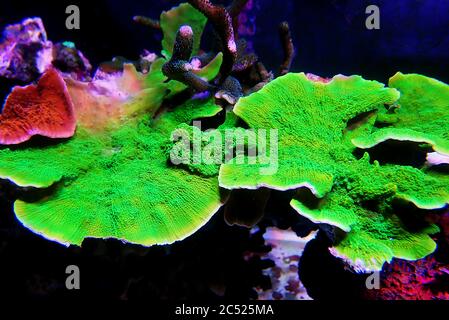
<point>413,280</point>
<point>25,53</point>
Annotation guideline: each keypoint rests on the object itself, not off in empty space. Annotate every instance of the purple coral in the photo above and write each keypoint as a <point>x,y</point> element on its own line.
<point>26,53</point>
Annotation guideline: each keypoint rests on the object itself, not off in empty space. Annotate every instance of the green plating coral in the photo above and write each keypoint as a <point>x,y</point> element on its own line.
<point>113,177</point>
<point>422,115</point>
<point>115,183</point>
<point>360,204</point>
<point>311,118</point>
<point>315,152</point>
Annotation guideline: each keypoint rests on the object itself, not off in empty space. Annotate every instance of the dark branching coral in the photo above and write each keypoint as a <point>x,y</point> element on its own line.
<point>231,91</point>
<point>179,68</point>
<point>236,58</point>
<point>244,60</point>
<point>288,47</point>
<point>146,21</point>
<point>224,20</point>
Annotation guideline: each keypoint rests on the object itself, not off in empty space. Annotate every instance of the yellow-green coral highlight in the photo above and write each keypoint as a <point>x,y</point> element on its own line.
<point>422,114</point>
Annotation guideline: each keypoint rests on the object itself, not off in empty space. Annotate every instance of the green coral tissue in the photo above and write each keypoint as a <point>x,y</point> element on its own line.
<point>316,153</point>
<point>115,183</point>
<point>113,178</point>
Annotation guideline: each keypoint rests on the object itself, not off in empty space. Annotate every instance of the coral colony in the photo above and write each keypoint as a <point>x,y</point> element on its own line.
<point>122,154</point>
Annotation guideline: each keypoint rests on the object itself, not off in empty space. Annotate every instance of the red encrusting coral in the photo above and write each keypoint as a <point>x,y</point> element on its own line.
<point>424,279</point>
<point>44,109</point>
<point>413,280</point>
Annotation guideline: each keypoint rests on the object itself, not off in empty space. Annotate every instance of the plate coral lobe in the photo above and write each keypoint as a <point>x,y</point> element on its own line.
<point>316,152</point>
<point>111,178</point>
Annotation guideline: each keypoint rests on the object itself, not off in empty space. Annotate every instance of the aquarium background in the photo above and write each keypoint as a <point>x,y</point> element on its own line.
<point>330,37</point>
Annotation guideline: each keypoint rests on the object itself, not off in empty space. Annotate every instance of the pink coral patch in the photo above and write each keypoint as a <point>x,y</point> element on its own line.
<point>44,109</point>
<point>315,78</point>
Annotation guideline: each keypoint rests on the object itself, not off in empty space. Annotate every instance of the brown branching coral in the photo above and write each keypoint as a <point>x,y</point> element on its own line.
<point>223,20</point>
<point>288,48</point>
<point>178,67</point>
<point>244,61</point>
<point>247,74</point>
<point>237,61</point>
<point>146,21</point>
<point>183,44</point>
<point>261,76</point>
<point>264,74</point>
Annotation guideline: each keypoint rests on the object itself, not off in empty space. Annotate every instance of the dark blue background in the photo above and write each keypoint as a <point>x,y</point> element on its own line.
<point>330,34</point>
